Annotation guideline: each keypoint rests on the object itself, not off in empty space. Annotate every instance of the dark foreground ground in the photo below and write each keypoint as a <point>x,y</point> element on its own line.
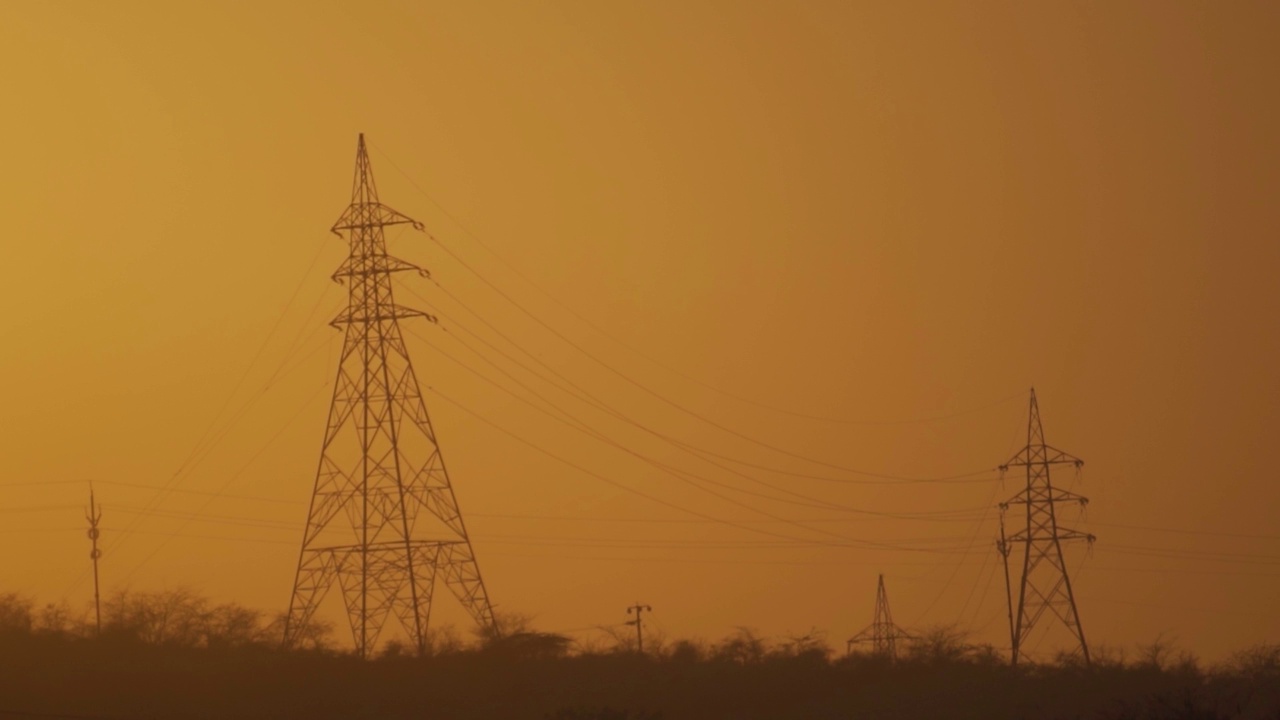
<point>69,677</point>
<point>174,655</point>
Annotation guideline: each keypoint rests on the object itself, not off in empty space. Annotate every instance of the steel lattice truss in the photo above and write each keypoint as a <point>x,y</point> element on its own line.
<point>1045,585</point>
<point>882,633</point>
<point>384,524</point>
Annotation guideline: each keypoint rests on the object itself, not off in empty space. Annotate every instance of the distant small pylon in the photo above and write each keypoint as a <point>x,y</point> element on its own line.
<point>882,633</point>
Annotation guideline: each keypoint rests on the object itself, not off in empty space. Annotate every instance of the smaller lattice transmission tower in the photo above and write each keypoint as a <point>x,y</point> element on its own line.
<point>882,634</point>
<point>1044,585</point>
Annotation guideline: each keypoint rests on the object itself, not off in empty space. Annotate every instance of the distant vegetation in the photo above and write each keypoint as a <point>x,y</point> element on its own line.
<point>176,655</point>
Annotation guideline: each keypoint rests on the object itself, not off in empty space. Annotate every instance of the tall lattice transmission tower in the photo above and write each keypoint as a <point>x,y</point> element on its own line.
<point>882,633</point>
<point>384,524</point>
<point>1044,584</point>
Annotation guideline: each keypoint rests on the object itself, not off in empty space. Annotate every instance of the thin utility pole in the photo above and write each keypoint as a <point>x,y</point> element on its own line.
<point>639,611</point>
<point>94,516</point>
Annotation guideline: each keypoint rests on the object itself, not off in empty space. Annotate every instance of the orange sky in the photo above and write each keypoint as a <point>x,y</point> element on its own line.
<point>880,212</point>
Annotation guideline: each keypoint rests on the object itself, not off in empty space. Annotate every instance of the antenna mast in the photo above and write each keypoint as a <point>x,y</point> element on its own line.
<point>94,516</point>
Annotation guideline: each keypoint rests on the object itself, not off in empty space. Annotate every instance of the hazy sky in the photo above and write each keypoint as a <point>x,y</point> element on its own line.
<point>883,213</point>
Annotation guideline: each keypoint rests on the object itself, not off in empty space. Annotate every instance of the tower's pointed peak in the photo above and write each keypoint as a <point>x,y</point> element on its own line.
<point>363,187</point>
<point>365,210</point>
<point>1035,427</point>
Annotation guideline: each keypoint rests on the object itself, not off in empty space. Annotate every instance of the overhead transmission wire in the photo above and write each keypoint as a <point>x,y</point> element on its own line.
<point>265,523</point>
<point>986,557</point>
<point>285,501</point>
<point>1183,531</point>
<point>219,538</point>
<point>692,413</point>
<point>682,408</point>
<point>206,444</point>
<point>164,491</point>
<point>528,541</point>
<point>972,540</point>
<point>1206,555</point>
<point>610,481</point>
<point>236,475</point>
<point>610,519</point>
<point>268,524</point>
<point>594,542</point>
<point>1173,553</point>
<point>684,559</point>
<point>167,489</point>
<point>986,589</point>
<point>577,424</point>
<point>683,475</point>
<point>240,521</point>
<point>187,491</point>
<point>590,542</point>
<point>986,560</point>
<point>565,306</point>
<point>589,398</point>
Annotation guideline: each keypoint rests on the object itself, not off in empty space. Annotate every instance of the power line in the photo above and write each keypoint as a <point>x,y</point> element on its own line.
<point>1179,553</point>
<point>615,483</point>
<point>973,538</point>
<point>184,491</point>
<point>614,519</point>
<point>692,413</point>
<point>1184,531</point>
<point>633,349</point>
<point>234,476</point>
<point>586,397</point>
<point>199,454</point>
<point>582,395</point>
<point>682,475</point>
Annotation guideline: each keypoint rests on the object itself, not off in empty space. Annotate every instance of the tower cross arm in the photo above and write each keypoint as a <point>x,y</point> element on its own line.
<point>1062,534</point>
<point>1053,495</point>
<point>1042,455</point>
<point>386,312</point>
<point>376,264</point>
<point>1069,534</point>
<point>371,214</point>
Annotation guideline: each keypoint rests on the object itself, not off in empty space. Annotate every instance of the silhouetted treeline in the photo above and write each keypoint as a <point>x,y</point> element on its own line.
<point>176,655</point>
